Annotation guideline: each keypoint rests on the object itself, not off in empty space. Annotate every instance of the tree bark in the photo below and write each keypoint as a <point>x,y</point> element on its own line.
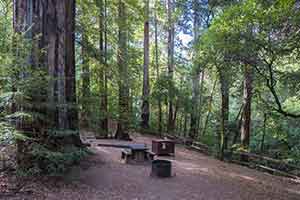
<point>195,99</point>
<point>52,28</point>
<point>171,35</point>
<point>185,124</point>
<point>264,133</point>
<point>157,73</point>
<point>146,86</point>
<point>246,117</point>
<point>199,122</point>
<point>103,69</point>
<point>196,75</point>
<point>85,83</point>
<point>209,108</point>
<point>224,111</point>
<point>123,123</point>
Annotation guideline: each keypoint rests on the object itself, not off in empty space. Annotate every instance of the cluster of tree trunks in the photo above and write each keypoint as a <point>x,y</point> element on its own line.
<point>50,25</point>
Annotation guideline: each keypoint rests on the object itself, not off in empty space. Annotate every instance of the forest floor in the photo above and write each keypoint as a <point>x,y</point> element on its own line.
<point>104,177</point>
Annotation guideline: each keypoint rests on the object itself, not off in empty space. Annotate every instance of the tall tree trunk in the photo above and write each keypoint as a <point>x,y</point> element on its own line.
<point>238,122</point>
<point>171,35</point>
<point>209,108</point>
<point>181,123</point>
<point>69,65</point>
<point>199,122</point>
<point>146,86</point>
<point>185,124</point>
<point>86,93</point>
<point>103,69</point>
<point>264,134</point>
<point>123,123</point>
<point>175,114</point>
<point>196,75</point>
<point>224,111</point>
<point>157,72</point>
<point>195,100</point>
<point>246,117</point>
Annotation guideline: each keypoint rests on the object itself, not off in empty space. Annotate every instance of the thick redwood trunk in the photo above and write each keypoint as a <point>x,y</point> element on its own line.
<point>123,123</point>
<point>146,86</point>
<point>60,32</point>
<point>53,30</point>
<point>72,111</point>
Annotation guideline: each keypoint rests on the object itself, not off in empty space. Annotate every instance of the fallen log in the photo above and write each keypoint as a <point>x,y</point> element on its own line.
<point>199,149</point>
<point>264,158</point>
<point>277,172</point>
<point>201,145</point>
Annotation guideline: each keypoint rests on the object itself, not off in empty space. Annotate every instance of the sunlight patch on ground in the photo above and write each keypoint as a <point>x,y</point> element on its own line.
<point>234,175</point>
<point>103,150</point>
<point>189,166</point>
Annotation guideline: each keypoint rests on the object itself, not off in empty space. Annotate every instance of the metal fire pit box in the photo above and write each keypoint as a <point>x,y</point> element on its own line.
<point>161,168</point>
<point>163,147</point>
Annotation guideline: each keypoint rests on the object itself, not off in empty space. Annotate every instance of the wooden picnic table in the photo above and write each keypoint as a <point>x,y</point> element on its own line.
<point>133,151</point>
<point>137,153</point>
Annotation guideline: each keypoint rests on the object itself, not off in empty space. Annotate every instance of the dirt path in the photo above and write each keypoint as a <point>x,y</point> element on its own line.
<point>197,177</point>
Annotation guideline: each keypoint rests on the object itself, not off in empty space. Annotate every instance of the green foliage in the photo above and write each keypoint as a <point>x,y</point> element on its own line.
<point>62,133</point>
<point>54,163</point>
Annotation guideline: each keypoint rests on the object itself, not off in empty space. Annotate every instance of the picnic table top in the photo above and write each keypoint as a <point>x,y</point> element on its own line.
<point>137,147</point>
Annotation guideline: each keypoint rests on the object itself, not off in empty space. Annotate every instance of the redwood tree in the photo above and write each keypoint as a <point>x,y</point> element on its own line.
<point>50,25</point>
<point>103,67</point>
<point>157,70</point>
<point>196,73</point>
<point>246,115</point>
<point>171,45</point>
<point>123,123</point>
<point>146,86</point>
<point>224,83</point>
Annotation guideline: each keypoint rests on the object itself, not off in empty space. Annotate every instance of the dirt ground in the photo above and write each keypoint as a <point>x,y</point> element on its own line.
<point>195,177</point>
